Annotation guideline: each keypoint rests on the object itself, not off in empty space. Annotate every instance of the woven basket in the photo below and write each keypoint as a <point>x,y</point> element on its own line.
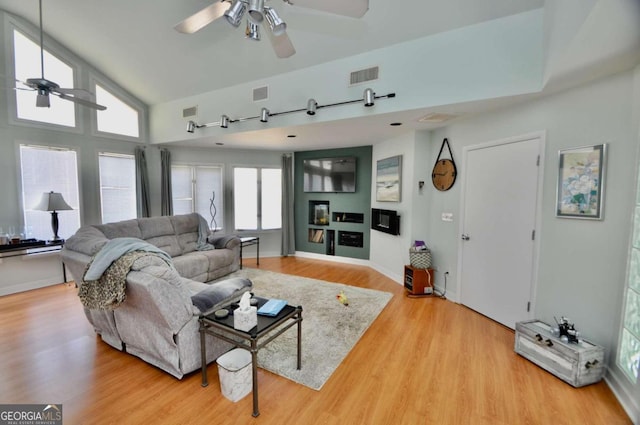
<point>420,259</point>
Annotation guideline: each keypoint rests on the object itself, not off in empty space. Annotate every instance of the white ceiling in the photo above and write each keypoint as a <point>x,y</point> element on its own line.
<point>134,44</point>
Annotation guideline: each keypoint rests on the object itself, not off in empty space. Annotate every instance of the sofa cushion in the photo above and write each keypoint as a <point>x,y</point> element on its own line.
<point>121,229</point>
<point>186,229</point>
<point>193,266</point>
<point>87,240</point>
<point>219,294</point>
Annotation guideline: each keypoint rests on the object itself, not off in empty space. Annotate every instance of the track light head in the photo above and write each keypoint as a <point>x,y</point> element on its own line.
<point>191,126</point>
<point>264,115</point>
<point>277,25</point>
<point>256,8</point>
<point>369,97</point>
<point>312,105</point>
<point>224,121</point>
<point>235,12</point>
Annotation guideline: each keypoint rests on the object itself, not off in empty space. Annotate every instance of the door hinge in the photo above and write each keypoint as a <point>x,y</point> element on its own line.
<point>533,235</point>
<point>538,161</point>
<point>528,306</point>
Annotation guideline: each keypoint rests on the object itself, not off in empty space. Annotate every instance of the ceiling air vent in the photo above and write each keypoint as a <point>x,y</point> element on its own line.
<point>261,93</point>
<point>364,75</point>
<point>190,112</point>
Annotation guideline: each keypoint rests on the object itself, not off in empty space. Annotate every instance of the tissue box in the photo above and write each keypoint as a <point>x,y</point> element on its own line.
<point>244,320</point>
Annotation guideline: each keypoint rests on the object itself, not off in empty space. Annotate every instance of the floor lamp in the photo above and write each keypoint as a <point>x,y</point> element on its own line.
<point>53,202</point>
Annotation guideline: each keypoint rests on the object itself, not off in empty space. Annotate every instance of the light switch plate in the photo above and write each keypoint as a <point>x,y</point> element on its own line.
<point>447,216</point>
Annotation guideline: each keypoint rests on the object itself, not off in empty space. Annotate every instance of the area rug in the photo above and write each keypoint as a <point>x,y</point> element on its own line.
<point>329,329</point>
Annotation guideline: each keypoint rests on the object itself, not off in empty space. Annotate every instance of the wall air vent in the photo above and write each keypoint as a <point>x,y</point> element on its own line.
<point>364,75</point>
<point>261,93</point>
<point>190,112</point>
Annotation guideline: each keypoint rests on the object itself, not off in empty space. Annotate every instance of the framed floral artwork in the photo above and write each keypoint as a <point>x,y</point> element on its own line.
<point>580,191</point>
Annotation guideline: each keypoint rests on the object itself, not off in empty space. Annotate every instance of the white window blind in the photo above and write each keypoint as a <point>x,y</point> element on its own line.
<point>44,170</point>
<point>193,187</point>
<point>257,198</point>
<point>117,187</point>
<point>27,65</point>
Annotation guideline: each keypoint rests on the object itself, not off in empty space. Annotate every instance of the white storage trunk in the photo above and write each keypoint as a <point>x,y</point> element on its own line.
<point>577,364</point>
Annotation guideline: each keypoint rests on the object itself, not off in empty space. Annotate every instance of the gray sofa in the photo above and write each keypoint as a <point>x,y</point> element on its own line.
<point>158,321</point>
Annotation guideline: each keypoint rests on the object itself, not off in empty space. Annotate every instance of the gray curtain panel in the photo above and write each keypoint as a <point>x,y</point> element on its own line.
<point>288,246</point>
<point>166,206</point>
<point>142,183</point>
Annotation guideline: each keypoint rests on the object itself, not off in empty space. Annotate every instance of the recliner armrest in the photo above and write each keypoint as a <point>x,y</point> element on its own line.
<point>224,241</point>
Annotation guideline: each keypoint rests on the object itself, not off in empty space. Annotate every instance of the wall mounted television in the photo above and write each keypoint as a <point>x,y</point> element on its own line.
<point>330,174</point>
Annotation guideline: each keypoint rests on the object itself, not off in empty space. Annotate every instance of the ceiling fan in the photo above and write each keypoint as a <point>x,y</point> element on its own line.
<point>258,12</point>
<point>46,87</point>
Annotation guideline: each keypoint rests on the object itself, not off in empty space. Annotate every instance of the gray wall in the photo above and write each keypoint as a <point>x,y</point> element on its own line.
<point>582,263</point>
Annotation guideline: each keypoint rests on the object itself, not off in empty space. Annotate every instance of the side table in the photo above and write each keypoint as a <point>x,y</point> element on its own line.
<point>249,241</point>
<point>268,329</point>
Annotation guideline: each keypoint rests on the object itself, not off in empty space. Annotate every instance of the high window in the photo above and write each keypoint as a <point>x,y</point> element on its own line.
<point>27,65</point>
<point>46,169</point>
<point>629,349</point>
<point>119,117</point>
<point>257,194</point>
<point>117,187</point>
<point>198,188</point>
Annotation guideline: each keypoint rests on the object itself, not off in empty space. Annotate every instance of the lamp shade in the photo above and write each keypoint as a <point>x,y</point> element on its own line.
<point>52,201</point>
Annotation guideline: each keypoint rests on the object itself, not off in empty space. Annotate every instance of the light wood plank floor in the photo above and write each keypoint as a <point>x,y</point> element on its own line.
<point>423,361</point>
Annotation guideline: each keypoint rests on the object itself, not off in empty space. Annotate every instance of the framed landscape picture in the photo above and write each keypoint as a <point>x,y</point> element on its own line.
<point>389,179</point>
<point>580,191</point>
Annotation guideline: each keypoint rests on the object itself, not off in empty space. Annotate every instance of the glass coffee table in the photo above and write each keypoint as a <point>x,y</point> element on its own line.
<point>268,329</point>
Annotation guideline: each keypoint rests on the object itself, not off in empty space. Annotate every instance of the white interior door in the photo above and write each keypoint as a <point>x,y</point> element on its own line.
<point>498,220</point>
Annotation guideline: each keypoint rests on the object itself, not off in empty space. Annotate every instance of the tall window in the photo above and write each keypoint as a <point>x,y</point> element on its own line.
<point>629,350</point>
<point>27,65</point>
<point>257,194</point>
<point>117,187</point>
<point>119,117</point>
<point>45,169</point>
<point>193,189</point>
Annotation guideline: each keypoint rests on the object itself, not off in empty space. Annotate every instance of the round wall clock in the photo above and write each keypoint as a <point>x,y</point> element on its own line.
<point>444,170</point>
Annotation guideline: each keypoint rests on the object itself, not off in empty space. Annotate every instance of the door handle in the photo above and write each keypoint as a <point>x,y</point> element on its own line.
<point>465,237</point>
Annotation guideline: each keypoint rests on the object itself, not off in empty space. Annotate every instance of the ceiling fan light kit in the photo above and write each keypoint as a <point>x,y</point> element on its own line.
<point>235,12</point>
<point>253,31</point>
<point>312,106</point>
<point>277,25</point>
<point>257,13</point>
<point>255,10</point>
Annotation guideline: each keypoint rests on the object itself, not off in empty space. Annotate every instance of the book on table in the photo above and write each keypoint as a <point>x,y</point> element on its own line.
<point>272,307</point>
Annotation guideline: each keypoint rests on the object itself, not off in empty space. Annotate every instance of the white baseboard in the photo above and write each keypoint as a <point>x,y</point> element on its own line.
<point>620,389</point>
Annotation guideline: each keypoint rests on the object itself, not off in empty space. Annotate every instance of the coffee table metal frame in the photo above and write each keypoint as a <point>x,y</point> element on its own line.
<point>252,340</point>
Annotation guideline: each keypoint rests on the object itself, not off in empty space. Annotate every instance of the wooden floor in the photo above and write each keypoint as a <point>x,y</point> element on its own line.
<point>423,361</point>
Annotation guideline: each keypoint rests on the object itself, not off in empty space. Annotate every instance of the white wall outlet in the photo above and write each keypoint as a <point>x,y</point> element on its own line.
<point>447,216</point>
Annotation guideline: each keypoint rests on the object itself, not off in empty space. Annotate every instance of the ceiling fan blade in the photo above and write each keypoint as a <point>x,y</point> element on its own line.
<point>80,101</point>
<point>202,18</point>
<point>351,8</point>
<point>77,93</point>
<point>282,45</point>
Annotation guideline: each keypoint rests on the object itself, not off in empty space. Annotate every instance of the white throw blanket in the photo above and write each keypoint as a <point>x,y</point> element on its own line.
<point>116,248</point>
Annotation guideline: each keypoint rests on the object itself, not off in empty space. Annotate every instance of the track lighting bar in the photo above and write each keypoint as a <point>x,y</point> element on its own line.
<point>368,99</point>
